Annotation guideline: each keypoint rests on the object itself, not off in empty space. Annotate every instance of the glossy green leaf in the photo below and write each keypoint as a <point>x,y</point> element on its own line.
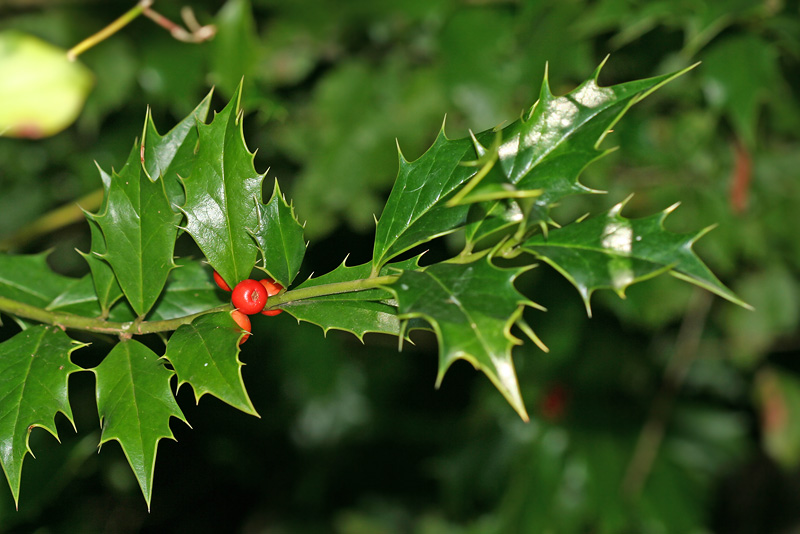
<point>560,136</point>
<point>472,308</point>
<point>416,209</point>
<point>611,251</point>
<point>34,370</point>
<point>280,238</point>
<point>551,126</point>
<point>223,193</point>
<point>105,282</point>
<point>172,155</point>
<point>205,354</point>
<point>489,183</point>
<point>541,155</point>
<point>189,290</point>
<point>135,404</point>
<point>140,228</point>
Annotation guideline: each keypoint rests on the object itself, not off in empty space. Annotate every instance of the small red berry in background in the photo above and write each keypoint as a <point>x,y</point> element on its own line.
<point>249,296</point>
<point>220,282</point>
<point>273,288</point>
<point>553,405</point>
<point>244,323</point>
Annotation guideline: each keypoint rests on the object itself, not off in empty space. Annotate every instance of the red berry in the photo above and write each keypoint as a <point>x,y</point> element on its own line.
<point>244,323</point>
<point>220,282</point>
<point>273,288</point>
<point>249,296</point>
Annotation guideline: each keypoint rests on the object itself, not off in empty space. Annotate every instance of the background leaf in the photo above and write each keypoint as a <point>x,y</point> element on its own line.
<point>205,355</point>
<point>34,370</point>
<point>189,290</point>
<point>135,404</point>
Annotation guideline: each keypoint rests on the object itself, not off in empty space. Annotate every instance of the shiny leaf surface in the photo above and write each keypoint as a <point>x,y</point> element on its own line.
<point>140,228</point>
<point>28,279</point>
<point>171,156</point>
<point>34,370</point>
<point>611,251</point>
<point>205,355</point>
<point>223,192</point>
<point>135,404</point>
<point>472,308</point>
<point>280,238</point>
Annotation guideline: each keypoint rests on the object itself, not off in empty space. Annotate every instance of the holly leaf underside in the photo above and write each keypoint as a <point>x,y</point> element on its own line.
<point>356,317</point>
<point>611,251</point>
<point>359,312</point>
<point>487,218</point>
<point>223,192</point>
<point>135,404</point>
<point>280,240</point>
<point>540,154</point>
<point>34,370</point>
<point>139,228</point>
<point>471,308</point>
<point>205,354</point>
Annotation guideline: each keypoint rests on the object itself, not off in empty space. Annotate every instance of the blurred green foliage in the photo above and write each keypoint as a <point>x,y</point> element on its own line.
<point>666,412</point>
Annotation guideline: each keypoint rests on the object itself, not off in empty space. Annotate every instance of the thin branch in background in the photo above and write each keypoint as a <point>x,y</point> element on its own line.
<point>652,433</point>
<point>53,220</point>
<point>195,34</point>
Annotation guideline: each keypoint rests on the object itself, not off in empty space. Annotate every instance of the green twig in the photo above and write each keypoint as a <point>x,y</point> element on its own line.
<point>195,34</point>
<point>109,30</point>
<point>132,328</point>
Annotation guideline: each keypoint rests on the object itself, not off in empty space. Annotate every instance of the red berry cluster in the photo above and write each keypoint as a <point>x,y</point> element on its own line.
<point>250,297</point>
